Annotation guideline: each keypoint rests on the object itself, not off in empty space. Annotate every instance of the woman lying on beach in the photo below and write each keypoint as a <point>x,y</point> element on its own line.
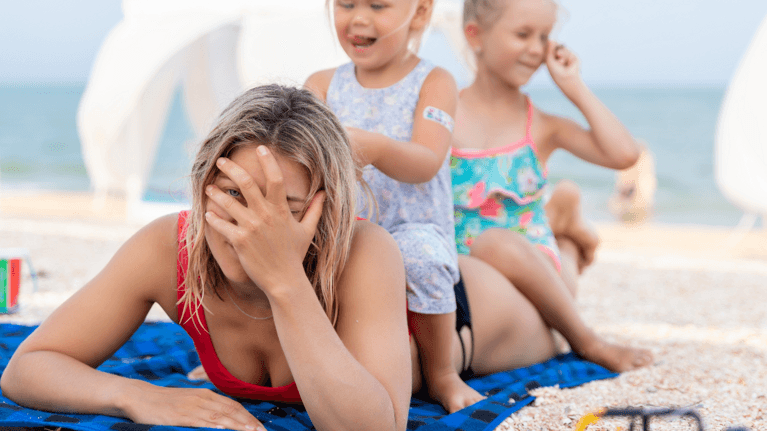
<point>297,296</point>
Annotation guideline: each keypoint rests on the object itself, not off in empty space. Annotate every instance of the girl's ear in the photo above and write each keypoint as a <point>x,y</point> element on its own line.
<point>472,32</point>
<point>422,15</point>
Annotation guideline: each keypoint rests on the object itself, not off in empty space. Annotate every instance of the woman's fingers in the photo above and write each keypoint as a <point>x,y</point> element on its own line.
<point>227,413</point>
<point>313,214</point>
<point>275,187</point>
<point>248,186</point>
<point>228,230</point>
<point>195,408</point>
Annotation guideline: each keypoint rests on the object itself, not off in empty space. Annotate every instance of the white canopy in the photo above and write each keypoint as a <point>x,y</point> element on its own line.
<point>741,138</point>
<point>214,50</point>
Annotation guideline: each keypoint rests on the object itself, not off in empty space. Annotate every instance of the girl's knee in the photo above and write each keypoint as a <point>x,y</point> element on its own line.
<point>567,192</point>
<point>502,244</point>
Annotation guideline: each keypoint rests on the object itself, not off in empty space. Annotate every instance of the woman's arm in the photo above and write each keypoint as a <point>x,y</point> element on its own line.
<point>361,378</point>
<point>418,160</point>
<point>54,368</point>
<point>608,143</point>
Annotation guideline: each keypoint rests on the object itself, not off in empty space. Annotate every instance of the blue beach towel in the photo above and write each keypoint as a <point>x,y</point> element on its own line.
<point>162,353</point>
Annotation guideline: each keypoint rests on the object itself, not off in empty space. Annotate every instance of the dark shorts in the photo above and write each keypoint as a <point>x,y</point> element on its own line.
<point>463,318</point>
<point>462,313</point>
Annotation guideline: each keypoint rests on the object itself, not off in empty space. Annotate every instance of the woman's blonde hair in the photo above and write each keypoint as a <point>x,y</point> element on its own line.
<point>295,124</point>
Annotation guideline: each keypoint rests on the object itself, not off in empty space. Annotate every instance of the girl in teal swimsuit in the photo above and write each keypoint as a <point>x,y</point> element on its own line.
<point>501,144</point>
<point>502,188</point>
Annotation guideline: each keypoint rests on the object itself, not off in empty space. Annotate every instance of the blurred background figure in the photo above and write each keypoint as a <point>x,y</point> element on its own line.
<point>634,193</point>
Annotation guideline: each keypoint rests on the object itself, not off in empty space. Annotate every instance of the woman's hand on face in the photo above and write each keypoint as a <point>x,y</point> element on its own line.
<point>190,407</point>
<point>270,243</point>
<point>563,66</point>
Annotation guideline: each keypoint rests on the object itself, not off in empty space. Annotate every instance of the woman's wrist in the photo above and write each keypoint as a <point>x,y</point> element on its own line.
<point>123,397</point>
<point>283,292</point>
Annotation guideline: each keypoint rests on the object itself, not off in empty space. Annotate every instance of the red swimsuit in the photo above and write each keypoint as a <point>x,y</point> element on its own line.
<point>216,371</point>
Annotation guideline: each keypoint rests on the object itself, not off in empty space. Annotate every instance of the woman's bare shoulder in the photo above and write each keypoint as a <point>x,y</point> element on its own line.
<point>374,264</point>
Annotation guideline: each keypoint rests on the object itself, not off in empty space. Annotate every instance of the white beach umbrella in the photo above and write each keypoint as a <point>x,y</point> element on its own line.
<point>741,137</point>
<point>214,50</point>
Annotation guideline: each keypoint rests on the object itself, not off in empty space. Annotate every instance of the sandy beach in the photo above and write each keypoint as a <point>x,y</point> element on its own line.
<point>692,294</point>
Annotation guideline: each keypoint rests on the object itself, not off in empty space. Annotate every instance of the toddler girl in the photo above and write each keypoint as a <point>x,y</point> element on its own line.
<point>398,111</point>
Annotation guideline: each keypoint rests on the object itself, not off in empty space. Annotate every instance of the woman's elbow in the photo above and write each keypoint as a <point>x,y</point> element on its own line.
<point>10,380</point>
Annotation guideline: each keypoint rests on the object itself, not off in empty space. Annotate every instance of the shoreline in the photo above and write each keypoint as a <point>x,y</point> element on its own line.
<point>651,239</point>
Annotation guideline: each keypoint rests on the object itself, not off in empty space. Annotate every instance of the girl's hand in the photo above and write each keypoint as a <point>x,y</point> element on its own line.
<point>564,67</point>
<point>364,146</point>
<point>190,407</point>
<point>270,243</point>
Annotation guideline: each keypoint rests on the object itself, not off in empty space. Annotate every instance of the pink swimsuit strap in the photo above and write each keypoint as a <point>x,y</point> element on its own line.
<point>527,140</point>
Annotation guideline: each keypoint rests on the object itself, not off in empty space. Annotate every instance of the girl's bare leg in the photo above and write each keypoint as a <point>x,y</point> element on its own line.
<point>534,275</point>
<point>508,331</point>
<point>569,255</point>
<point>567,223</point>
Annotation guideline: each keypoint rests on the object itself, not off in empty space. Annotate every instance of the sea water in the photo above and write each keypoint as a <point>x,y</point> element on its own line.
<point>40,148</point>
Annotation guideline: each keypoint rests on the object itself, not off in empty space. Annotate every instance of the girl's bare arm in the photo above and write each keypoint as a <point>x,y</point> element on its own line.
<point>608,143</point>
<point>415,161</point>
<point>54,368</point>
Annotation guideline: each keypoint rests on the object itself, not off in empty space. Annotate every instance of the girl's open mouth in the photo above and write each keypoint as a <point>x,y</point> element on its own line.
<point>362,42</point>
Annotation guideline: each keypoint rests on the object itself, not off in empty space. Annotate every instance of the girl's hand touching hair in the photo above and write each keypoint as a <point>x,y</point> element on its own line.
<point>564,67</point>
<point>270,243</point>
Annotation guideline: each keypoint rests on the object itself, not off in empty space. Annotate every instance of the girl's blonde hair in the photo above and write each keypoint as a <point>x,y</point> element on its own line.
<point>296,125</point>
<point>483,12</point>
<point>487,12</point>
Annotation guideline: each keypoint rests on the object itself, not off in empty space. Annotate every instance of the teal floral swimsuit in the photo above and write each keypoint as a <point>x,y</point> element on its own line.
<point>501,188</point>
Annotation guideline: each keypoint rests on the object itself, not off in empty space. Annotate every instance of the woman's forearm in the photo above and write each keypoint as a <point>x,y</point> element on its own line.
<point>52,381</point>
<point>337,391</point>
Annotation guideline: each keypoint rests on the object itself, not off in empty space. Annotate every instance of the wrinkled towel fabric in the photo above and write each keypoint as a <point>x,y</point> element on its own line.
<point>162,353</point>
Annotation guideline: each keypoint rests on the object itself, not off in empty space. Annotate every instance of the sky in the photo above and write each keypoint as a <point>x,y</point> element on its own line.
<point>623,42</point>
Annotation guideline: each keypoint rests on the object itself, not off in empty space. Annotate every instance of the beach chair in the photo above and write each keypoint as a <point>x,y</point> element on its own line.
<point>741,137</point>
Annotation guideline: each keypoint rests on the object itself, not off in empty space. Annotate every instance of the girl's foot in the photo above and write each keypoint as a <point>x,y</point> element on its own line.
<point>453,393</point>
<point>615,357</point>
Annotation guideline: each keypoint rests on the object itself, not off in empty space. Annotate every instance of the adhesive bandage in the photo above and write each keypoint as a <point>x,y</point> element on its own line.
<point>439,116</point>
